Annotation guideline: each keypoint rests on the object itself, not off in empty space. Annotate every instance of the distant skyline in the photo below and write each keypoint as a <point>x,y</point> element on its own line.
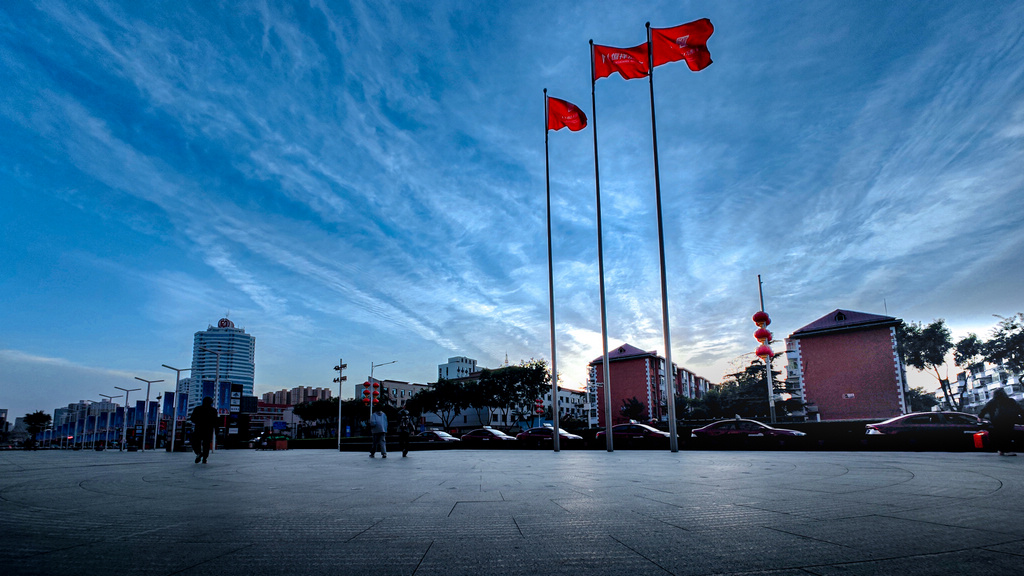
<point>365,180</point>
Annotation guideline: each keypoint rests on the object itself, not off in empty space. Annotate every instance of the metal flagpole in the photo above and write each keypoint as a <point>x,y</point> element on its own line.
<point>669,372</point>
<point>600,267</point>
<point>551,284</point>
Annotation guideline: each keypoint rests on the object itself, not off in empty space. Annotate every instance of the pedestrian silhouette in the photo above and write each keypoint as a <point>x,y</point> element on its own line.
<point>1003,412</point>
<point>405,429</point>
<point>204,419</point>
<point>379,430</point>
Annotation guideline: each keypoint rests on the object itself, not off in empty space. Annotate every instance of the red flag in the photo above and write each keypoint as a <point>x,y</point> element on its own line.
<point>630,63</point>
<point>562,114</point>
<point>686,42</point>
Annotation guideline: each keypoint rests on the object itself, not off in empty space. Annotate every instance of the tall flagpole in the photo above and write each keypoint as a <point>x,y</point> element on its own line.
<point>600,267</point>
<point>669,372</point>
<point>551,283</point>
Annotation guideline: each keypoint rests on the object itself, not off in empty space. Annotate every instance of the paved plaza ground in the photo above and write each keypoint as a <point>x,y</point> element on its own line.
<point>478,512</point>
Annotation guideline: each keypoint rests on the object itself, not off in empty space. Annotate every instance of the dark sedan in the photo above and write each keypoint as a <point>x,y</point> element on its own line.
<point>942,430</point>
<point>745,432</point>
<point>436,436</point>
<point>543,435</point>
<point>634,435</point>
<point>485,436</point>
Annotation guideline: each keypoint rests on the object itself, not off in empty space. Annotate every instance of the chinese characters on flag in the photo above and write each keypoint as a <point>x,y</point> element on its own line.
<point>686,42</point>
<point>630,63</point>
<point>562,114</point>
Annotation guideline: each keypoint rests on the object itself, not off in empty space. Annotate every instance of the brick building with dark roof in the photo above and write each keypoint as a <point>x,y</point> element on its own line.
<point>847,366</point>
<point>639,374</point>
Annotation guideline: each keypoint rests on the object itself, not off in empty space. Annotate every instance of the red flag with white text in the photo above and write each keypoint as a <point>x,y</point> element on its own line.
<point>630,63</point>
<point>562,114</point>
<point>685,42</point>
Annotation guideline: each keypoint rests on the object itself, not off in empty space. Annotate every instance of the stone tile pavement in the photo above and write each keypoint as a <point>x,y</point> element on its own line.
<point>478,512</point>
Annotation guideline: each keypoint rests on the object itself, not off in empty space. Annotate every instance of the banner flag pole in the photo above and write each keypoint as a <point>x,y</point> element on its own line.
<point>669,372</point>
<point>551,282</point>
<point>600,266</point>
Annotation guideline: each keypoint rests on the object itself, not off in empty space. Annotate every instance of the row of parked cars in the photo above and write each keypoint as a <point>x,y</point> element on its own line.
<point>532,437</point>
<point>941,430</point>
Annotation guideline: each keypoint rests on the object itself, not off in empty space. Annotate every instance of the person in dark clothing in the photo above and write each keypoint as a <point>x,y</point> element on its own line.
<point>405,429</point>
<point>1003,412</point>
<point>204,419</point>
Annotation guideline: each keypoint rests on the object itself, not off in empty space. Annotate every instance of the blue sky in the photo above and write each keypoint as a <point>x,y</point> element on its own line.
<point>366,180</point>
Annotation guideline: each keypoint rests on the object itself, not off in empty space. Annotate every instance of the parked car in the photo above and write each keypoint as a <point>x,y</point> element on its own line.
<point>544,435</point>
<point>928,430</point>
<point>741,431</point>
<point>634,435</point>
<point>485,435</point>
<point>436,436</point>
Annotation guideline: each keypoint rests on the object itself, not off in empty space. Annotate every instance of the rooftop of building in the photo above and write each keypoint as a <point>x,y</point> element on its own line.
<point>844,320</point>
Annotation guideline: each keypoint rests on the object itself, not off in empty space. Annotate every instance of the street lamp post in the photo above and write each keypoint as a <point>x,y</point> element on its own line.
<point>145,411</point>
<point>106,429</point>
<point>158,419</point>
<point>174,416</point>
<point>340,380</point>
<point>124,434</point>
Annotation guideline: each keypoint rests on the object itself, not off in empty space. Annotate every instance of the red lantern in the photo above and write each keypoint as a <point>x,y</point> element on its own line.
<point>376,384</point>
<point>376,400</point>
<point>366,400</point>
<point>761,318</point>
<point>763,351</point>
<point>763,335</point>
<point>375,394</point>
<point>366,393</point>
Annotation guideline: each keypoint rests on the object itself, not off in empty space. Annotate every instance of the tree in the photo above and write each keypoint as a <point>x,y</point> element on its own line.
<point>633,409</point>
<point>969,351</point>
<point>924,348</point>
<point>446,398</point>
<point>1006,346</point>
<point>742,393</point>
<point>36,422</point>
<point>919,400</point>
<point>512,389</point>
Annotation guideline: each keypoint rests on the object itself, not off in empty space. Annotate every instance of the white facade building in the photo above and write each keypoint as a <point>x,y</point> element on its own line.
<point>237,362</point>
<point>458,367</point>
<point>976,385</point>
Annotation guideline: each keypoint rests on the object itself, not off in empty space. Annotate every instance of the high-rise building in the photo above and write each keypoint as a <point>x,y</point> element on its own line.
<point>237,353</point>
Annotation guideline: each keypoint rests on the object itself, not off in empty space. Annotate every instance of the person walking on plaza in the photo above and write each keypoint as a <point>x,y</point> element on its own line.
<point>204,419</point>
<point>405,429</point>
<point>379,430</point>
<point>1003,412</point>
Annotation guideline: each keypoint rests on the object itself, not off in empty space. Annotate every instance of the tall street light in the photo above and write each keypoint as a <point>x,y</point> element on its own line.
<point>372,366</point>
<point>124,434</point>
<point>174,416</point>
<point>145,410</point>
<point>106,429</point>
<point>340,380</point>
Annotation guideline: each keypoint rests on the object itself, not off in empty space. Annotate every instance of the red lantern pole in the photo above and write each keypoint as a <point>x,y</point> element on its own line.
<point>764,351</point>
